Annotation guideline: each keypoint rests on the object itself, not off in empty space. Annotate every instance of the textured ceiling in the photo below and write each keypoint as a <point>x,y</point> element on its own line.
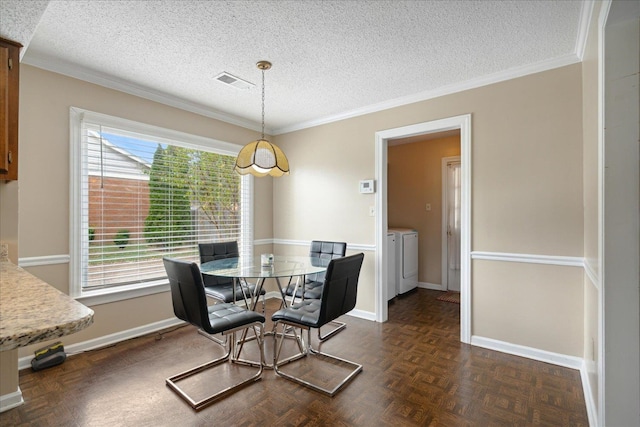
<point>331,59</point>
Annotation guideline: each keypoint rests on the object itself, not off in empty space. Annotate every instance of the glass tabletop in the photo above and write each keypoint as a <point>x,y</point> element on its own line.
<point>283,266</point>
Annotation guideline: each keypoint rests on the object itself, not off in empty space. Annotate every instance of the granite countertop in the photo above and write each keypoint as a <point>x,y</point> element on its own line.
<point>32,310</point>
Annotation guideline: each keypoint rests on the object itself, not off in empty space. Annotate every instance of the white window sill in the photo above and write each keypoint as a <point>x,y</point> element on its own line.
<point>109,295</point>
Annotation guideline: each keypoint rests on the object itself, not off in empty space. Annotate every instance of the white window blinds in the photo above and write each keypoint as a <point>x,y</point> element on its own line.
<point>143,196</point>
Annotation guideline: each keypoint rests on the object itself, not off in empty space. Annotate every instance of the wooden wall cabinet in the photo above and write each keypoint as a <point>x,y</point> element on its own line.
<point>9,91</point>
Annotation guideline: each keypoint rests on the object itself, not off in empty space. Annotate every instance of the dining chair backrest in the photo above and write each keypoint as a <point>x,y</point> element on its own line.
<point>190,304</point>
<point>340,288</point>
<point>325,250</point>
<point>218,250</point>
<point>187,292</point>
<point>214,251</point>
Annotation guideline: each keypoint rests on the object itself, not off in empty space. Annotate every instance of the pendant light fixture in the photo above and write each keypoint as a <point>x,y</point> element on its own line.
<point>261,157</point>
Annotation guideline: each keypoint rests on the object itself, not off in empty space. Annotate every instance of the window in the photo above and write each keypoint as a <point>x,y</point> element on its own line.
<point>140,193</point>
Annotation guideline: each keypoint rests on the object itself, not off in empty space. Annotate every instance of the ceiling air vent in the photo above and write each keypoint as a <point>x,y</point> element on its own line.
<point>234,81</point>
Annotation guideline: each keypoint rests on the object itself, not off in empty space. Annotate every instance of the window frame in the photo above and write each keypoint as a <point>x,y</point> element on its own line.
<point>76,230</point>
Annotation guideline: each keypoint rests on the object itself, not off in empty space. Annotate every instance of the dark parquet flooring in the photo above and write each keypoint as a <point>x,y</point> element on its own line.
<point>416,373</point>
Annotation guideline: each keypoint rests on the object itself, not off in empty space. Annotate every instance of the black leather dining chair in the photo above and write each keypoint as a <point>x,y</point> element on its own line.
<point>340,289</point>
<point>190,304</point>
<point>221,288</point>
<point>313,285</point>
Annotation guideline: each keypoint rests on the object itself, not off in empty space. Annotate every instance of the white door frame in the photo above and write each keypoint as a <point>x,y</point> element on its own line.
<point>445,214</point>
<point>463,123</point>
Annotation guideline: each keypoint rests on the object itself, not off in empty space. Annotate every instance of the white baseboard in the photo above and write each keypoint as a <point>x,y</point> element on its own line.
<point>592,409</point>
<point>43,260</point>
<point>11,400</point>
<point>361,314</point>
<point>528,352</point>
<point>272,294</point>
<point>25,362</point>
<point>433,286</point>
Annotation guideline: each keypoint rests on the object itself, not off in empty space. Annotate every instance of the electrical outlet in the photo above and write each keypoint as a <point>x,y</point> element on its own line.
<point>372,211</point>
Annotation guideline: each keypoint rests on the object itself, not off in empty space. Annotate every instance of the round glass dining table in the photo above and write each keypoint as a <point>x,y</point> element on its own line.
<point>283,266</point>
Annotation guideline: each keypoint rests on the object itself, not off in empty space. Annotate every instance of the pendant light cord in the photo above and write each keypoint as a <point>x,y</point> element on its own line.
<point>262,104</point>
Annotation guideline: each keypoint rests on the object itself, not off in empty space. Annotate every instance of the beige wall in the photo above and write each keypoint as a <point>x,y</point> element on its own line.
<point>415,179</point>
<point>533,305</point>
<point>526,192</point>
<point>8,372</point>
<point>526,186</point>
<point>44,182</point>
<point>9,217</point>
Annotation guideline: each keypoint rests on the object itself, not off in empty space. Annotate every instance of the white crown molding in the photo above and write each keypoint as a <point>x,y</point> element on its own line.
<point>500,76</point>
<point>583,28</point>
<point>91,76</point>
<point>101,79</point>
<point>529,258</point>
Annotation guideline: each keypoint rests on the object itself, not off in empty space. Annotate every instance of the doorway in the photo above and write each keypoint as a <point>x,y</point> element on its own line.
<point>463,123</point>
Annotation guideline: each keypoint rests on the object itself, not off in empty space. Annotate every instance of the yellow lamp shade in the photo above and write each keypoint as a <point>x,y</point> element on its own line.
<point>262,158</point>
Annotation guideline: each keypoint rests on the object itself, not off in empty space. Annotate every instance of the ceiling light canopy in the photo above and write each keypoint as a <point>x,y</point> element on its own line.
<point>261,157</point>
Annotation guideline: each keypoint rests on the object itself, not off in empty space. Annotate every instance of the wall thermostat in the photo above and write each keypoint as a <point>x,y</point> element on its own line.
<point>367,186</point>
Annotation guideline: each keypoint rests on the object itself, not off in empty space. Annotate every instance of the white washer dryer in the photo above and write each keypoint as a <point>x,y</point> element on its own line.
<point>406,259</point>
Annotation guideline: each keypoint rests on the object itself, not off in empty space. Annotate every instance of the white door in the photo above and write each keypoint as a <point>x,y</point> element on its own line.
<point>452,187</point>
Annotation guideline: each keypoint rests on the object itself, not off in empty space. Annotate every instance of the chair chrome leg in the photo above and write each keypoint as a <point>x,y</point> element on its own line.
<point>279,340</point>
<point>309,350</point>
<point>212,338</point>
<point>240,345</point>
<point>197,405</point>
<point>357,368</point>
<point>340,327</point>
